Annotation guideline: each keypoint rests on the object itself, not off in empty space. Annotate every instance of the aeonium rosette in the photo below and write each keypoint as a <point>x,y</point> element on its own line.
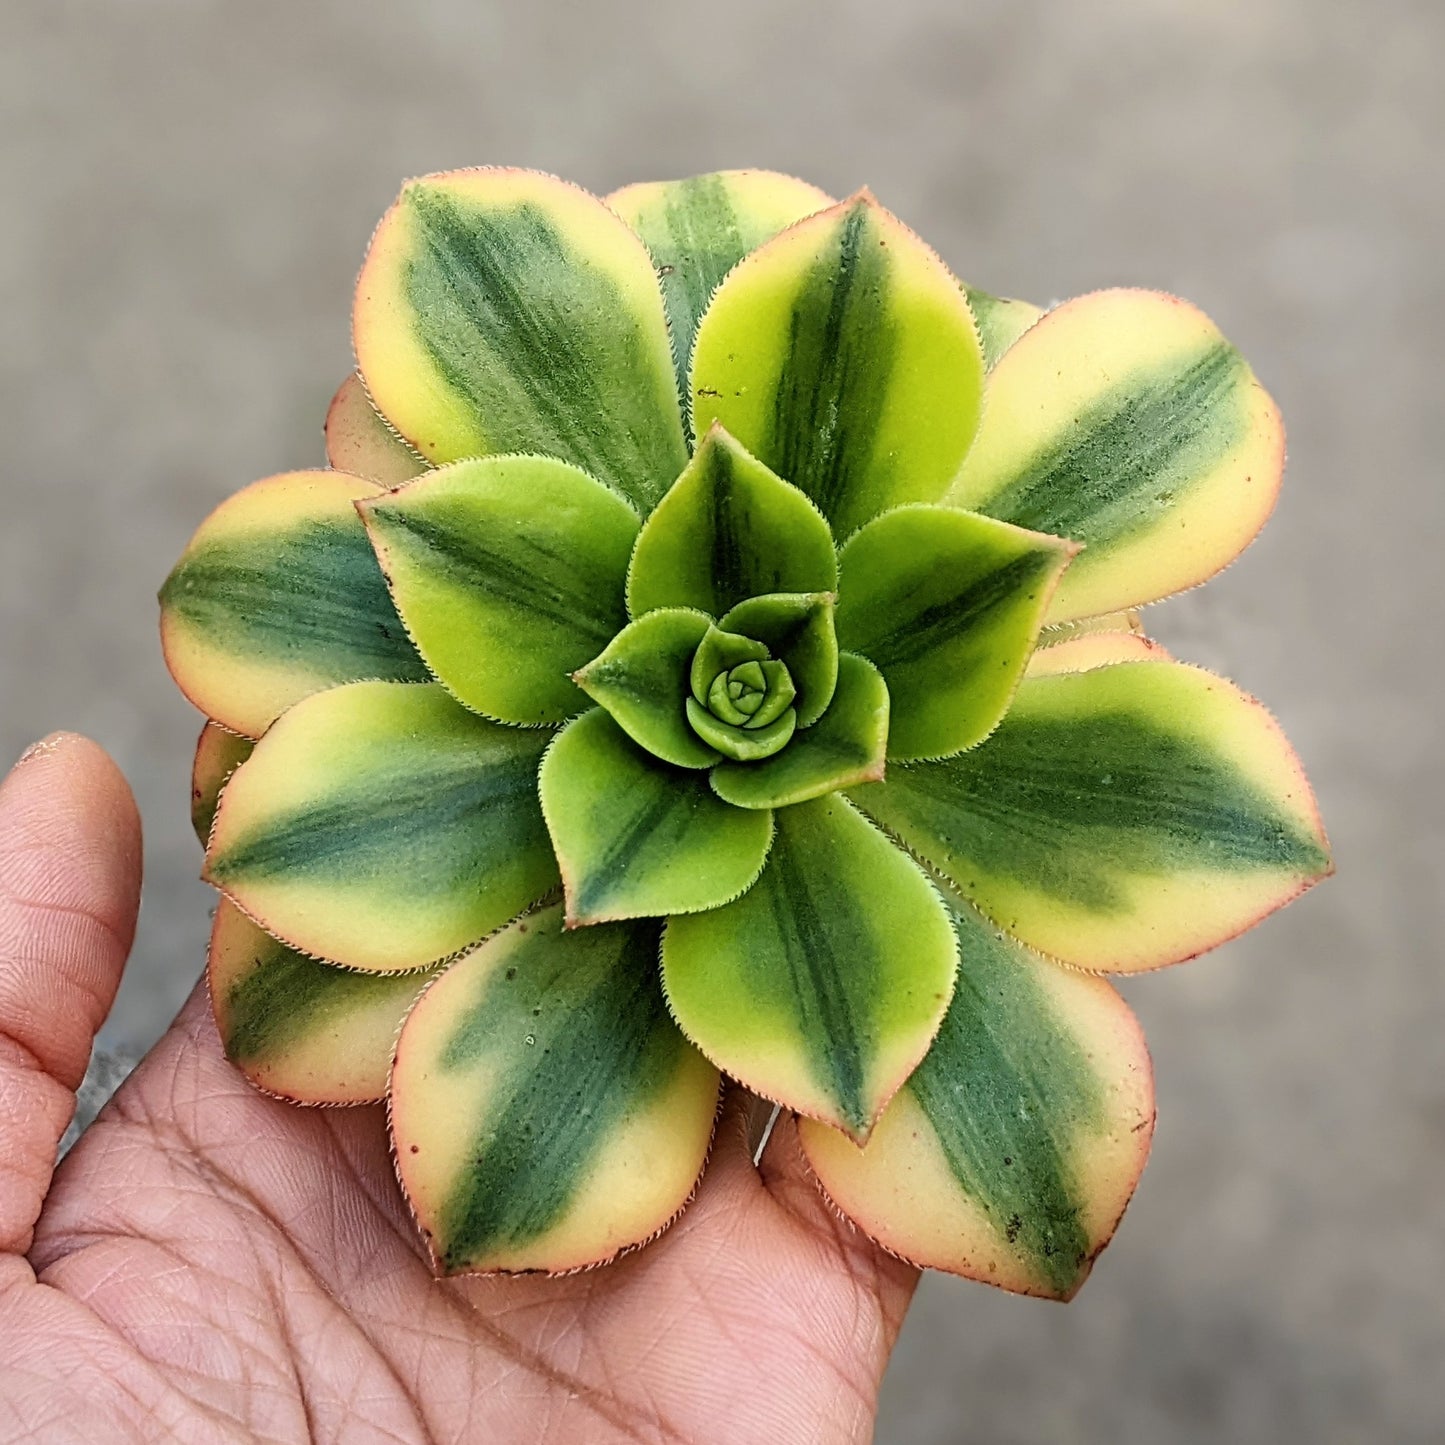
<point>709,655</point>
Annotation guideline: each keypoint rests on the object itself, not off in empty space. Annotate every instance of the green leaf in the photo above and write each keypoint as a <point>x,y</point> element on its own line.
<point>641,678</point>
<point>699,229</point>
<point>507,311</point>
<point>299,1028</point>
<point>1001,321</point>
<point>218,754</point>
<point>845,747</point>
<point>823,985</point>
<point>1126,421</point>
<point>546,1111</point>
<point>637,838</point>
<point>843,354</point>
<point>797,629</point>
<point>745,744</point>
<point>1119,819</point>
<point>729,529</point>
<point>358,441</point>
<point>1012,1150</point>
<point>383,826</point>
<point>509,574</point>
<point>948,605</point>
<point>277,596</point>
<point>720,651</point>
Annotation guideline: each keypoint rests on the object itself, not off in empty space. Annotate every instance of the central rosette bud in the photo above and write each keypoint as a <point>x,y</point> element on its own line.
<point>742,697</point>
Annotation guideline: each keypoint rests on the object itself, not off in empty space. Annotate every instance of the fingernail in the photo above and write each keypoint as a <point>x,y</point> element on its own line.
<point>47,745</point>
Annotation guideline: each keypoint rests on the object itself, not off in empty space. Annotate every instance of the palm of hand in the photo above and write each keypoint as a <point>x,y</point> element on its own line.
<point>213,1265</point>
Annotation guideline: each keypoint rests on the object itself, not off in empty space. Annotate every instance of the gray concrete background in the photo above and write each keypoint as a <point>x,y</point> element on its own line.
<point>187,189</point>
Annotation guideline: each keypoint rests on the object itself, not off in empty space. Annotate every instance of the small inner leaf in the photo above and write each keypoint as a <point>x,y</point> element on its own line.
<point>948,605</point>
<point>845,746</point>
<point>641,678</point>
<point>717,654</point>
<point>509,573</point>
<point>743,744</point>
<point>797,629</point>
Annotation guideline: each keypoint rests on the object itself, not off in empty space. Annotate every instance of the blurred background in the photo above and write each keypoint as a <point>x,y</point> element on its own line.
<point>188,188</point>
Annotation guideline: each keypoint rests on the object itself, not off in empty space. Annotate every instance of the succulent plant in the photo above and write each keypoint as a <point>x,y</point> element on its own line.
<point>709,654</point>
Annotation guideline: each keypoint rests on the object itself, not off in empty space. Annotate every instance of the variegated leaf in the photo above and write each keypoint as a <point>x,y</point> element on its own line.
<point>728,530</point>
<point>948,606</point>
<point>218,754</point>
<point>278,596</point>
<point>546,1111</point>
<point>507,311</point>
<point>358,441</point>
<point>843,355</point>
<point>1013,1149</point>
<point>823,985</point>
<point>1126,421</point>
<point>509,574</point>
<point>1001,321</point>
<point>1119,819</point>
<point>305,1030</point>
<point>637,838</point>
<point>384,826</point>
<point>699,229</point>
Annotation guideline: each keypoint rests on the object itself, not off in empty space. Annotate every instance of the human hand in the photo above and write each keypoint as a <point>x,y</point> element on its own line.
<point>212,1265</point>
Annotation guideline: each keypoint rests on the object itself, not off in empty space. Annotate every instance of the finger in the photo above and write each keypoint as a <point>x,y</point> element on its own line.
<point>70,865</point>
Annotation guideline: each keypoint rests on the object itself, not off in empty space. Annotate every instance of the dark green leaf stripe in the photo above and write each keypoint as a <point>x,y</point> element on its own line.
<point>1009,1093</point>
<point>602,1043</point>
<point>1065,806</point>
<point>313,597</point>
<point>505,311</point>
<point>287,996</point>
<point>636,837</point>
<point>1125,420</point>
<point>729,529</point>
<point>546,1111</point>
<point>699,229</point>
<point>383,826</point>
<point>823,984</point>
<point>1153,434</point>
<point>404,807</point>
<point>831,393</point>
<point>529,577</point>
<point>484,281</point>
<point>912,637</point>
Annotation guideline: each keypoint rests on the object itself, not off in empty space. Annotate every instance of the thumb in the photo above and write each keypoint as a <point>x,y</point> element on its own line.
<point>70,865</point>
